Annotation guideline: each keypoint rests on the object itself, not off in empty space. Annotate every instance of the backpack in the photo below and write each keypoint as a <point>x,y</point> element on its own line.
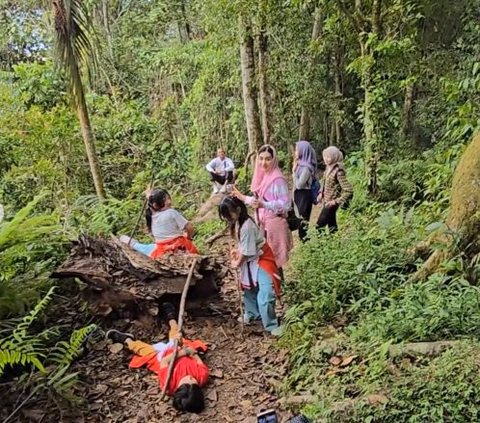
<point>315,188</point>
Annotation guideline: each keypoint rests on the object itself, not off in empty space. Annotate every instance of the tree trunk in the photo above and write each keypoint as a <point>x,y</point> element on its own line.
<point>87,134</point>
<point>370,146</point>
<point>106,25</point>
<point>407,111</point>
<point>186,24</point>
<point>338,93</point>
<point>304,128</point>
<point>247,63</point>
<point>463,220</point>
<point>264,90</point>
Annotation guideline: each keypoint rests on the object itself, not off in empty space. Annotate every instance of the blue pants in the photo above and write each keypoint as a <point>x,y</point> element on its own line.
<point>138,246</point>
<point>259,301</point>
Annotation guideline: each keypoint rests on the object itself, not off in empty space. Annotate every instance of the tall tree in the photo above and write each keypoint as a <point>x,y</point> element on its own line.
<point>304,128</point>
<point>74,50</point>
<point>250,92</point>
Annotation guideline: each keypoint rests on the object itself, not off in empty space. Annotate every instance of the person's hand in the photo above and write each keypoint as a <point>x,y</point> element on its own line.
<point>319,197</point>
<point>189,351</point>
<point>257,203</point>
<point>331,203</point>
<point>234,254</point>
<point>295,163</point>
<point>178,337</point>
<point>236,193</point>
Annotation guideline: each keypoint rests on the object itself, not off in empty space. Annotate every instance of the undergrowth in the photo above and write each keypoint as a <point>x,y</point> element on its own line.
<point>350,295</point>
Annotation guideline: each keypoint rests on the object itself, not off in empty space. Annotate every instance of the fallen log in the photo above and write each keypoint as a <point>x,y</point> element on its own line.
<point>121,275</point>
<point>420,348</point>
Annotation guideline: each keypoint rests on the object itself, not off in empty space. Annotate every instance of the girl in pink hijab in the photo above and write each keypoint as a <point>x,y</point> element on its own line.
<point>272,202</point>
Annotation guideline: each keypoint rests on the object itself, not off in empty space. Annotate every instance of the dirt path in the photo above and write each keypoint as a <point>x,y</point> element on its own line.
<point>243,371</point>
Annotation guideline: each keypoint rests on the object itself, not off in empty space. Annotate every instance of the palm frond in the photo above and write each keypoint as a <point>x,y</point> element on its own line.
<point>74,43</point>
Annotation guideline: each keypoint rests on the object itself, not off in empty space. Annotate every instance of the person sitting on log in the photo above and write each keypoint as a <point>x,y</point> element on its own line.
<point>172,232</point>
<point>189,373</point>
<point>222,172</point>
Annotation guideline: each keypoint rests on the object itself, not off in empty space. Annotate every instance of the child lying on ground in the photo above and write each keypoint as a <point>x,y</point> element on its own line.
<point>189,372</point>
<point>172,232</point>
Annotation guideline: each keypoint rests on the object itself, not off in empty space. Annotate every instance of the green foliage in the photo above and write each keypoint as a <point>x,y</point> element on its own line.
<point>103,217</point>
<point>440,308</point>
<point>29,247</point>
<point>21,348</point>
<point>357,281</point>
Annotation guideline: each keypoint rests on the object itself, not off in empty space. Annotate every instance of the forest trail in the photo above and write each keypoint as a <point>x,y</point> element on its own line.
<point>243,371</point>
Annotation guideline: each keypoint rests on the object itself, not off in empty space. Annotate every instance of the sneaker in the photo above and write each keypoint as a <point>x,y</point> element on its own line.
<point>278,331</point>
<point>118,337</point>
<point>244,319</point>
<point>216,189</point>
<point>168,312</point>
<point>247,320</point>
<point>223,189</point>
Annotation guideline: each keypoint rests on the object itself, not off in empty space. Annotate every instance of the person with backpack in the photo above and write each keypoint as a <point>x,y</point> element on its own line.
<point>336,189</point>
<point>305,184</point>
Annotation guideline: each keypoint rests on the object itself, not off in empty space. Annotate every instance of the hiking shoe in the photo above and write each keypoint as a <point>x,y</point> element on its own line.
<point>168,312</point>
<point>118,337</point>
<point>246,319</point>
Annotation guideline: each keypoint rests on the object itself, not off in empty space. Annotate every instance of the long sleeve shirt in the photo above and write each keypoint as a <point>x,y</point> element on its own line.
<point>220,166</point>
<point>276,200</point>
<point>336,187</point>
<point>303,180</point>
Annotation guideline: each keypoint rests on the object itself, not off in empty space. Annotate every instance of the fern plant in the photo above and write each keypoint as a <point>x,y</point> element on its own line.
<point>64,353</point>
<point>29,249</point>
<point>21,347</point>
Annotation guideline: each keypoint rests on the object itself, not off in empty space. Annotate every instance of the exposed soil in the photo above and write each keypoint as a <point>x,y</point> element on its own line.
<point>245,368</point>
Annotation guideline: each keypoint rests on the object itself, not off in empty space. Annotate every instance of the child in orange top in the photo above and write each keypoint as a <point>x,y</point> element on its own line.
<point>189,372</point>
<point>172,232</point>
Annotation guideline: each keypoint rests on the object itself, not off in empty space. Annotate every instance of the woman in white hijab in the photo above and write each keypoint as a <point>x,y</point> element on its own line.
<point>336,189</point>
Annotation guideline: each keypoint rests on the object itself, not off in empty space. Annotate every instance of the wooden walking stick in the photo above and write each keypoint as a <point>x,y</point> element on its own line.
<point>240,301</point>
<point>180,324</point>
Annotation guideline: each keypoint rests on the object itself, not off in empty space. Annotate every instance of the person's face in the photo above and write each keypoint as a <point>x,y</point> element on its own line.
<point>327,160</point>
<point>221,154</point>
<point>265,160</point>
<point>233,215</point>
<point>168,202</point>
<point>297,155</point>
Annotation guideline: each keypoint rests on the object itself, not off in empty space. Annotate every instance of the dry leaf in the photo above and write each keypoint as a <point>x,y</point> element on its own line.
<point>335,361</point>
<point>217,373</point>
<point>246,404</point>
<point>333,372</point>
<point>115,348</point>
<point>347,360</point>
<point>212,395</point>
<point>377,399</point>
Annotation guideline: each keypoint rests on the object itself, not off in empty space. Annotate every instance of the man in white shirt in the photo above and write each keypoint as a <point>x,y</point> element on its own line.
<point>221,170</point>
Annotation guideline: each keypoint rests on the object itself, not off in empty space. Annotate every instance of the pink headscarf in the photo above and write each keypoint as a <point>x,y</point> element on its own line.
<point>261,179</point>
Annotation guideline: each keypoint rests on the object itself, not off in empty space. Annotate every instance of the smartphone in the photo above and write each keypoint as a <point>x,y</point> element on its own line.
<point>268,416</point>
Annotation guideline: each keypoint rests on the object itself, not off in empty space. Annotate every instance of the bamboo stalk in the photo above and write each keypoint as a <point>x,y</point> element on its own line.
<point>180,324</point>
